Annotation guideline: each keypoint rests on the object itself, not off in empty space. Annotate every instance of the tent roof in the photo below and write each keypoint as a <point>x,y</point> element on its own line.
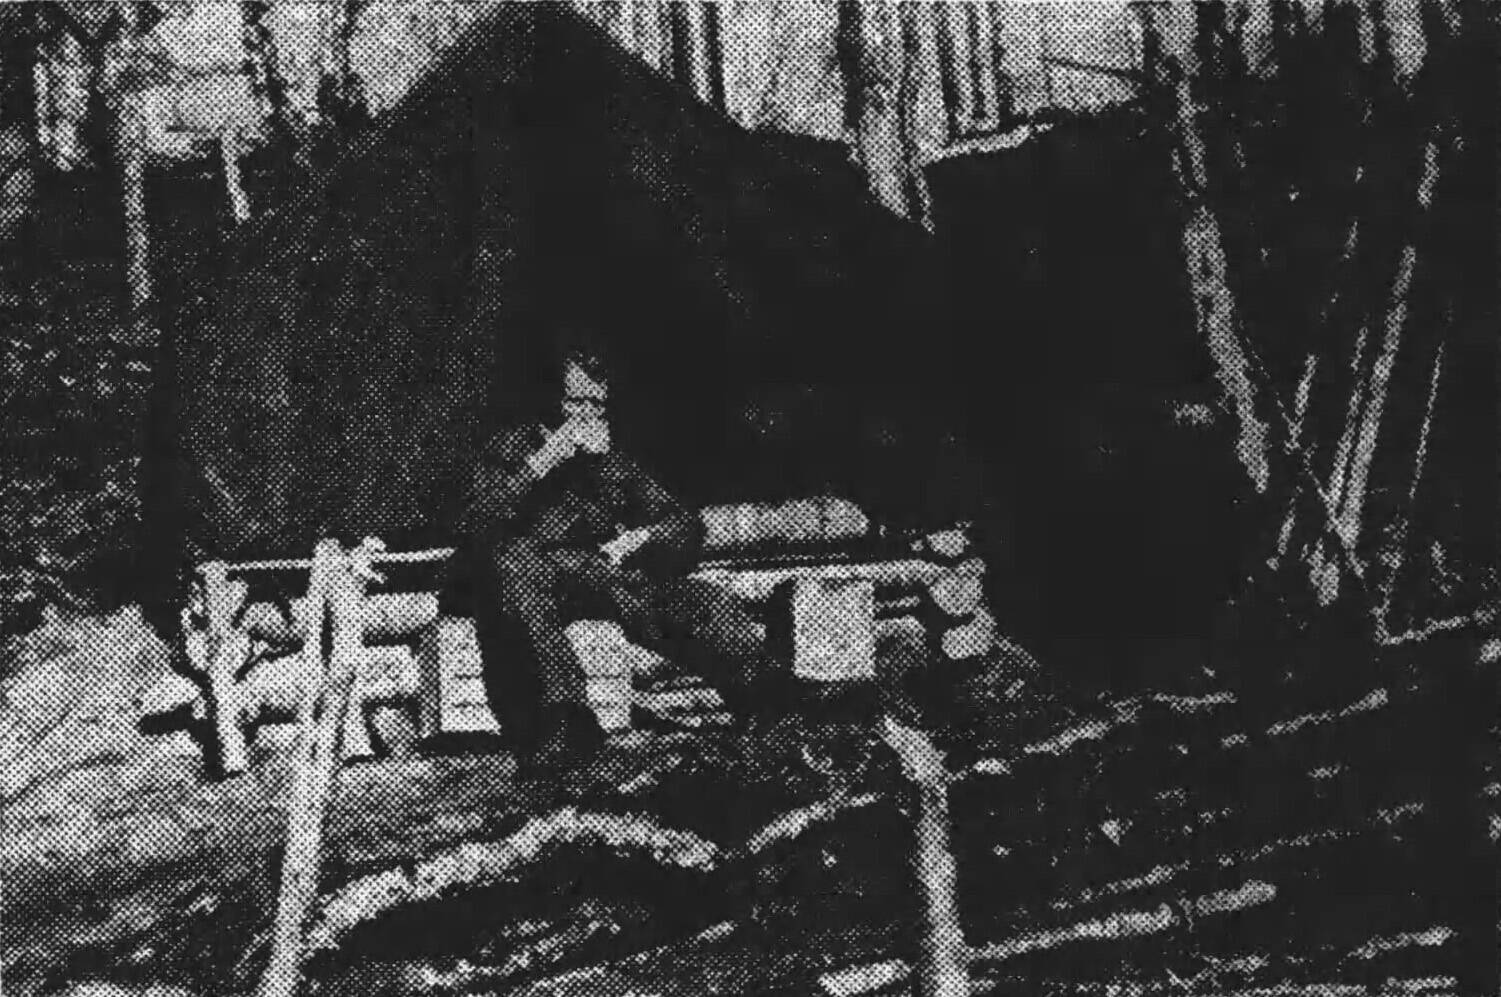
<point>335,368</point>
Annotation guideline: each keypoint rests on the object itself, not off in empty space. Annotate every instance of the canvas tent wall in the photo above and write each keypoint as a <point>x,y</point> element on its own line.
<point>334,370</point>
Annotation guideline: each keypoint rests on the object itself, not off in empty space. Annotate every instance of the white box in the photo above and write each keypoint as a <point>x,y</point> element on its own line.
<point>833,629</point>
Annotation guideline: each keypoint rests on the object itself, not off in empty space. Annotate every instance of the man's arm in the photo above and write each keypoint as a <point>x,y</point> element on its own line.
<point>675,532</point>
<point>508,471</point>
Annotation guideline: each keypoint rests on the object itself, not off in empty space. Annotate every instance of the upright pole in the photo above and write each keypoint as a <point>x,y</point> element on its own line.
<point>336,591</point>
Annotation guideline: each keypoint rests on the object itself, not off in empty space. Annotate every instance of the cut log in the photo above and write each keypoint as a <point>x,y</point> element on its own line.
<point>388,617</point>
<point>959,592</point>
<point>833,629</point>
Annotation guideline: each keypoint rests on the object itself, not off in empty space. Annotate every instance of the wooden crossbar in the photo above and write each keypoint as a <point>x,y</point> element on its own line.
<point>429,556</point>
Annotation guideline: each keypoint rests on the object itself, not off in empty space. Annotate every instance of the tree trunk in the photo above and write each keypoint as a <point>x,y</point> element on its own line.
<point>20,150</point>
<point>1394,577</point>
<point>341,92</point>
<point>1381,370</point>
<point>1214,302</point>
<point>261,60</point>
<point>122,98</point>
<point>877,58</point>
<point>695,50</point>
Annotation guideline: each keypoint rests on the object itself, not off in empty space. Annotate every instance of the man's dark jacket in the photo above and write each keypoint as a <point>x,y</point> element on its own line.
<point>583,503</point>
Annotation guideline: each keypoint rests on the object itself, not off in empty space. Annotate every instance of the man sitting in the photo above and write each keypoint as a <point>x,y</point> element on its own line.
<point>562,526</point>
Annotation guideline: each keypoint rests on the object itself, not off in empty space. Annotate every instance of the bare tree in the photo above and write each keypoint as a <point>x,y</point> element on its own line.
<point>341,91</point>
<point>120,92</point>
<point>263,67</point>
<point>19,138</point>
<point>878,46</point>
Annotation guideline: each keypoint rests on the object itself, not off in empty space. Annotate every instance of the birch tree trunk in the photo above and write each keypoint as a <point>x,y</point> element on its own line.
<point>879,75</point>
<point>696,62</point>
<point>341,99</point>
<point>123,99</point>
<point>1381,370</point>
<point>263,65</point>
<point>1214,303</point>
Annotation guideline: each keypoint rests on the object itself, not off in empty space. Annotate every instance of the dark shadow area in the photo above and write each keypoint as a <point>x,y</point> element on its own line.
<point>1072,309</point>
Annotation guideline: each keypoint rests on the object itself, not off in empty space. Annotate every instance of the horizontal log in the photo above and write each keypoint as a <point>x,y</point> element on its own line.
<point>1371,842</point>
<point>587,979</point>
<point>864,979</point>
<point>1132,923</point>
<point>478,863</point>
<point>806,520</point>
<point>947,543</point>
<point>756,584</point>
<point>389,616</point>
<point>796,822</point>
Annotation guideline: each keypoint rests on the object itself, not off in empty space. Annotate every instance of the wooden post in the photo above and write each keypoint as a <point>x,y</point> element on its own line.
<point>942,966</point>
<point>226,651</point>
<point>335,587</point>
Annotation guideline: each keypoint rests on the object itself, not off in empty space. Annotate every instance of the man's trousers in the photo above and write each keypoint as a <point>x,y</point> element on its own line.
<point>530,592</point>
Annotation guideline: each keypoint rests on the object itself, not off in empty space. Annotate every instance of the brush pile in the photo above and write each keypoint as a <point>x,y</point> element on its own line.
<point>1325,826</point>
